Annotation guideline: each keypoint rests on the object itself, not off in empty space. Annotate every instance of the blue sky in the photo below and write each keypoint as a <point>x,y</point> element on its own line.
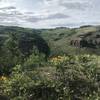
<point>49,13</point>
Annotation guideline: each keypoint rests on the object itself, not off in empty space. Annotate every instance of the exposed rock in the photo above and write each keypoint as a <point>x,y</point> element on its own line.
<point>90,40</point>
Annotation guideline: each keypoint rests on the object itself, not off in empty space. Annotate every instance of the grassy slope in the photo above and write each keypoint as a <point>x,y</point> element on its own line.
<point>58,39</point>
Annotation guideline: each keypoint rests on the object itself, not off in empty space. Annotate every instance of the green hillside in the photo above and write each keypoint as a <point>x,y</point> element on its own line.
<point>50,64</point>
<point>59,39</point>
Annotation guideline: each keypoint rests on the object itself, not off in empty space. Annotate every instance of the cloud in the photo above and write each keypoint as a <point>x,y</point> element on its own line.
<point>8,8</point>
<point>57,16</point>
<point>50,17</point>
<point>75,5</point>
<point>32,19</point>
<point>49,13</point>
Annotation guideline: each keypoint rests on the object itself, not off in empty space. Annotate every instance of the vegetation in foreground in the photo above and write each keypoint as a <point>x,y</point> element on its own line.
<point>59,78</point>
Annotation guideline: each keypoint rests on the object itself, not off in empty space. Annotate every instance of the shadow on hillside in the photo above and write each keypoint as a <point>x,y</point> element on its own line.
<point>2,97</point>
<point>28,41</point>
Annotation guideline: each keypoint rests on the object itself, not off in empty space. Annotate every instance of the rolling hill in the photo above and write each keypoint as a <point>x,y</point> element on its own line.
<point>85,39</point>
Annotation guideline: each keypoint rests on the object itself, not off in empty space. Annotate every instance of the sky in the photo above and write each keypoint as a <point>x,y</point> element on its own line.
<point>49,13</point>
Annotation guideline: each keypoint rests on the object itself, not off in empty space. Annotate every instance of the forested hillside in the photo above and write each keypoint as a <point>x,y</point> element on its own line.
<point>50,64</point>
<point>60,40</point>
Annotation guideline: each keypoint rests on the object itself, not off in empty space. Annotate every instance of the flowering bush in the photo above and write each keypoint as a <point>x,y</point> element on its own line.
<point>61,78</point>
<point>79,74</point>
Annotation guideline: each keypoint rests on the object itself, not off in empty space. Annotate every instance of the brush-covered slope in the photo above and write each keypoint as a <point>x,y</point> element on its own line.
<point>73,41</point>
<point>56,41</point>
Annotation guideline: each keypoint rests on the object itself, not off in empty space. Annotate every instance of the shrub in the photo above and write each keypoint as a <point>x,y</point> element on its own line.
<point>75,78</point>
<point>28,86</point>
<point>79,74</point>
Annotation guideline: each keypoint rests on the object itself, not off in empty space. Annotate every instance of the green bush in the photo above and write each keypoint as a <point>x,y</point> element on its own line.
<point>74,78</point>
<point>79,74</point>
<point>28,86</point>
<point>34,61</point>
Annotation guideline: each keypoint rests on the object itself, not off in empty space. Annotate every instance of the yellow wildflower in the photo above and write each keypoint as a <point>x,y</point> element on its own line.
<point>3,78</point>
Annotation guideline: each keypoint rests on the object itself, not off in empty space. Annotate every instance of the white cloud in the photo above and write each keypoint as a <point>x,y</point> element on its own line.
<point>49,13</point>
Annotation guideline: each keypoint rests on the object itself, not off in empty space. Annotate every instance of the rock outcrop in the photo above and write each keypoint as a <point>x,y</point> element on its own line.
<point>90,40</point>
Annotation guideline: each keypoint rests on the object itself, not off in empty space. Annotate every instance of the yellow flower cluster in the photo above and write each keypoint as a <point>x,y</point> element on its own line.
<point>3,78</point>
<point>58,60</point>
